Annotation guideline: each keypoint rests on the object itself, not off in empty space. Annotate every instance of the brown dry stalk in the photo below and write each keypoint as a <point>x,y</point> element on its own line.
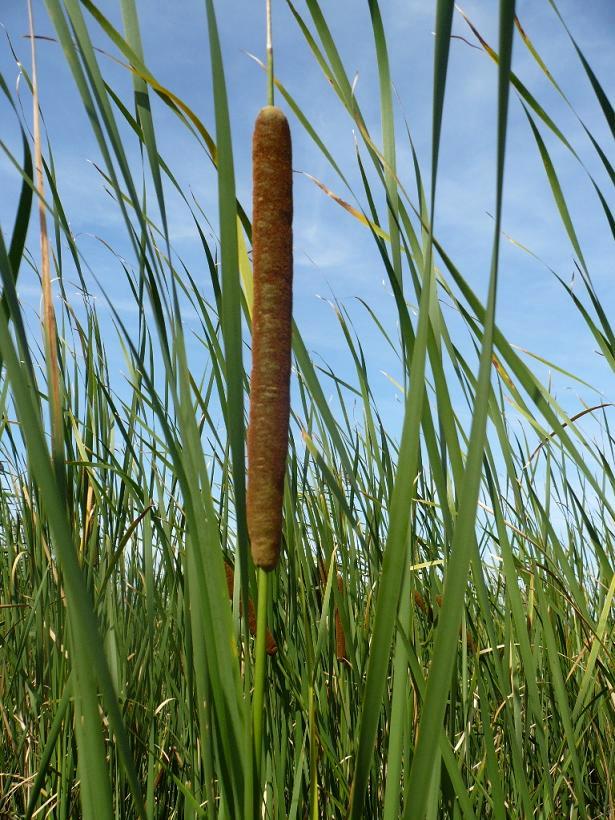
<point>270,645</point>
<point>271,333</point>
<point>49,318</point>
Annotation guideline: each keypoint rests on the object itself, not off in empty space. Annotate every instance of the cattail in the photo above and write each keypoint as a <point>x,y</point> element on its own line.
<point>420,601</point>
<point>423,605</point>
<point>271,333</point>
<point>340,637</point>
<point>270,644</point>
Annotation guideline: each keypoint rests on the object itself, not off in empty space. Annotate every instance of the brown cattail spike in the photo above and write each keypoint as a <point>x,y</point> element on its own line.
<point>420,601</point>
<point>340,637</point>
<point>423,605</point>
<point>271,333</point>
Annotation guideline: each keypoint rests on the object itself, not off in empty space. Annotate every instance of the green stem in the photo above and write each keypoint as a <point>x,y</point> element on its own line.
<point>259,672</point>
<point>399,707</point>
<point>313,755</point>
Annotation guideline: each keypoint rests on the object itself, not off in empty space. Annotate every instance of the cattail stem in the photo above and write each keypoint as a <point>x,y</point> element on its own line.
<point>259,671</point>
<point>269,54</point>
<point>270,645</point>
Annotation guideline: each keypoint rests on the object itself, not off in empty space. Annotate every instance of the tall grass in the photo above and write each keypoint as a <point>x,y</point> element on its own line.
<point>443,607</point>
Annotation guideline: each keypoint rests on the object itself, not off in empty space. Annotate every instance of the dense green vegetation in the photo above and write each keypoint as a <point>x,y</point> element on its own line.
<point>476,568</point>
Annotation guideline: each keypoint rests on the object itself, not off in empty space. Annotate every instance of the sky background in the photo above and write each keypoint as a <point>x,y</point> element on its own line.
<point>335,255</point>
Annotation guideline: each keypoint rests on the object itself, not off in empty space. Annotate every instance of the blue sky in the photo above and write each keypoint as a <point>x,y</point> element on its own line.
<point>335,256</point>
